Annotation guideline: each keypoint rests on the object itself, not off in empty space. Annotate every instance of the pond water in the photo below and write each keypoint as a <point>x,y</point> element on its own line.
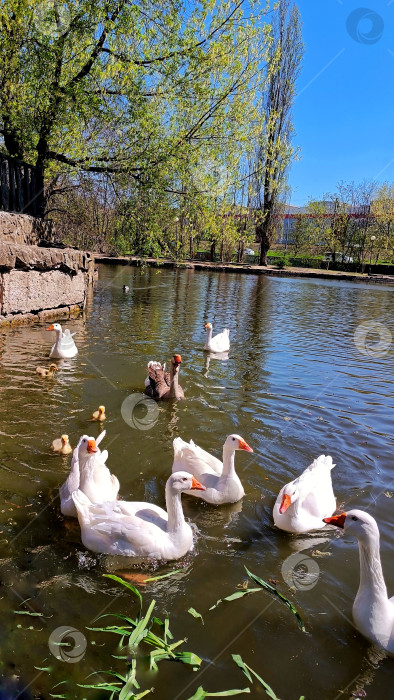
<point>295,386</point>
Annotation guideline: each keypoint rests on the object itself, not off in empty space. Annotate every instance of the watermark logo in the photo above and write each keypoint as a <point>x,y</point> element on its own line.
<point>139,412</point>
<point>62,648</point>
<point>365,26</point>
<point>300,571</point>
<point>51,18</point>
<point>373,339</point>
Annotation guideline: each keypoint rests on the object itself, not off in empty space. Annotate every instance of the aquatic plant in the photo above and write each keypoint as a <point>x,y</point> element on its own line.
<point>248,671</point>
<point>262,585</point>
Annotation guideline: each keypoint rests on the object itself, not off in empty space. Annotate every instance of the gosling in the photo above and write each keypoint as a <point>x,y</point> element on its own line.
<point>100,414</point>
<point>47,371</point>
<point>62,445</point>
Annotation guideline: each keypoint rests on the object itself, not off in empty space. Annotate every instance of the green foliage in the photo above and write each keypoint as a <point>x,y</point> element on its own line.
<point>282,262</point>
<point>235,596</point>
<point>140,113</point>
<point>144,629</point>
<point>354,225</point>
<point>249,672</point>
<point>262,585</point>
<point>144,115</point>
<point>200,694</point>
<point>196,614</point>
<point>274,151</point>
<point>272,589</point>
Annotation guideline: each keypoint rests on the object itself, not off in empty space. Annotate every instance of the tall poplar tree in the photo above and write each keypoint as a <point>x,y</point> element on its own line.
<point>274,150</point>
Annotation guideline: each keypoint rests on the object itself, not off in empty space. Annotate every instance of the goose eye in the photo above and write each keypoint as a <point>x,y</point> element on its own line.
<point>294,493</point>
<point>233,439</point>
<point>354,517</point>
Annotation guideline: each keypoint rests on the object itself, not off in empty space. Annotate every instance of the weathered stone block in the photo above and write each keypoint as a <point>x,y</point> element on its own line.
<point>26,291</point>
<point>23,229</point>
<point>39,282</point>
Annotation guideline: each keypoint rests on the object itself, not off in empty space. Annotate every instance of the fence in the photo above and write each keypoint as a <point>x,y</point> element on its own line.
<point>21,187</point>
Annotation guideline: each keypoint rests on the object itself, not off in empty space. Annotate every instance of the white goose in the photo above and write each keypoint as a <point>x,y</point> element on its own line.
<point>220,342</point>
<point>64,347</point>
<point>303,503</point>
<point>89,473</point>
<point>136,529</point>
<point>221,482</point>
<point>373,611</point>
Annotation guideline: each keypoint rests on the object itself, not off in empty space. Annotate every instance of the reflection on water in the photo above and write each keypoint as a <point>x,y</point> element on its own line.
<point>208,356</point>
<point>293,385</point>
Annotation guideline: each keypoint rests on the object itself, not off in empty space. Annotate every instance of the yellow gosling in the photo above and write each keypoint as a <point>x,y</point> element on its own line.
<point>100,414</point>
<point>62,445</point>
<point>47,371</point>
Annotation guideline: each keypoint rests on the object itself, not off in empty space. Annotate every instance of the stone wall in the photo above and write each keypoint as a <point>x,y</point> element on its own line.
<point>36,282</point>
<point>24,229</point>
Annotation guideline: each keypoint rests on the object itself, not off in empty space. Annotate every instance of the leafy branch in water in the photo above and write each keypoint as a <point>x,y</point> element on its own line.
<point>200,693</point>
<point>267,587</point>
<point>248,671</point>
<point>133,632</point>
<point>197,615</point>
<point>275,591</point>
<point>124,685</point>
<point>149,630</point>
<point>144,629</point>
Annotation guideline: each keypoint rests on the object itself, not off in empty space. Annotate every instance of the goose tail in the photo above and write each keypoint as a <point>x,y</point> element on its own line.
<point>82,504</point>
<point>324,462</point>
<point>180,453</point>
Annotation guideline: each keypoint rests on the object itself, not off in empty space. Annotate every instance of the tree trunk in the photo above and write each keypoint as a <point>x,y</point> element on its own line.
<point>213,251</point>
<point>11,141</point>
<point>262,236</point>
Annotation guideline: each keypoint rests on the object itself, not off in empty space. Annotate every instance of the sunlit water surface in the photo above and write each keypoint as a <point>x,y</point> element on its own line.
<point>294,386</point>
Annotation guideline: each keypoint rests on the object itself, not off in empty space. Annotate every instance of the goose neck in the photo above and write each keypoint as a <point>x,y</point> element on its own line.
<point>86,469</point>
<point>371,573</point>
<point>174,383</point>
<point>228,461</point>
<point>176,519</point>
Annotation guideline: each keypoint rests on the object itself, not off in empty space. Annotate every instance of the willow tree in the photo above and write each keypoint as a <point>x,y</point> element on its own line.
<point>141,92</point>
<point>274,150</point>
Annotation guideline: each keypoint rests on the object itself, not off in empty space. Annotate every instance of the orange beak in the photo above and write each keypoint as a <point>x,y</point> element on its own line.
<point>338,520</point>
<point>178,359</point>
<point>244,445</point>
<point>92,446</point>
<point>206,325</point>
<point>50,328</point>
<point>286,502</point>
<point>196,485</point>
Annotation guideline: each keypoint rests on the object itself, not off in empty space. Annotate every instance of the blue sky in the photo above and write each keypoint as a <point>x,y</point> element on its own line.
<point>344,117</point>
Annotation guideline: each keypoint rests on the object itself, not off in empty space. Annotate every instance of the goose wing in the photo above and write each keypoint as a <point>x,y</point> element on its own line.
<point>316,486</point>
<point>158,380</point>
<point>66,341</point>
<point>221,341</point>
<point>191,458</point>
<point>121,527</point>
